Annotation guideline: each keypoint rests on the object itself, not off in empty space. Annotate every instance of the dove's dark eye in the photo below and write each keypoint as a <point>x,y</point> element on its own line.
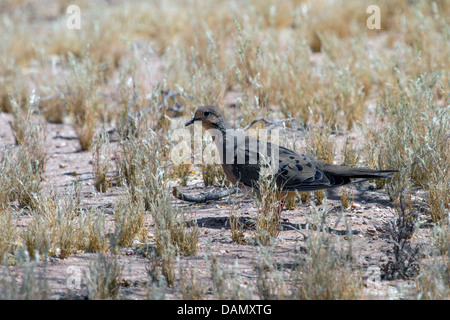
<point>206,113</point>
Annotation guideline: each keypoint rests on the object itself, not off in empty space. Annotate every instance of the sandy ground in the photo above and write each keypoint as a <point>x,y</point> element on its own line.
<point>368,217</point>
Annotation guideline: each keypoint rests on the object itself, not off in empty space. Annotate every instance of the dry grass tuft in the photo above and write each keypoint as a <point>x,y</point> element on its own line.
<point>130,219</point>
<point>101,163</point>
<point>83,98</point>
<point>269,206</point>
<point>325,274</point>
<point>104,277</point>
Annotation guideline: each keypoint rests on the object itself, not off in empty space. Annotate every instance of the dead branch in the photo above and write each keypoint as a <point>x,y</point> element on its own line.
<point>203,197</point>
<point>172,95</point>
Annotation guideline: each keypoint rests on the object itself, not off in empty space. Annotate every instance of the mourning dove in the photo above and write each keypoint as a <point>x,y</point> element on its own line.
<point>242,160</point>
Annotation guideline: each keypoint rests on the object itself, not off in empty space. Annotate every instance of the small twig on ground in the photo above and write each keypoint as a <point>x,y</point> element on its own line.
<point>203,197</point>
<point>172,95</point>
<point>305,236</point>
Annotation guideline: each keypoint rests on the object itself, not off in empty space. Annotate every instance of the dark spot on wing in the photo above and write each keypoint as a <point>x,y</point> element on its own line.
<point>309,164</point>
<point>292,157</point>
<point>299,167</point>
<point>318,175</point>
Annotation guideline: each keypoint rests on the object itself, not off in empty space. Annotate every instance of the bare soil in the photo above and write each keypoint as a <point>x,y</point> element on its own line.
<point>368,217</point>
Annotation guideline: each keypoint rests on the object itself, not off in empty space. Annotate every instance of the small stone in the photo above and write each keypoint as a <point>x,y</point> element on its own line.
<point>355,205</point>
<point>371,230</point>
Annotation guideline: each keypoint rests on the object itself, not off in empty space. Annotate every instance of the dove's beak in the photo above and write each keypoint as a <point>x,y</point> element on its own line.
<point>191,122</point>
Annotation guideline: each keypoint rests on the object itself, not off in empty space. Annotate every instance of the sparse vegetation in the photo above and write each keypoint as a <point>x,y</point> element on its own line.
<point>326,273</point>
<point>103,278</point>
<point>101,161</point>
<point>269,206</point>
<point>87,118</point>
<point>236,225</point>
<point>33,284</point>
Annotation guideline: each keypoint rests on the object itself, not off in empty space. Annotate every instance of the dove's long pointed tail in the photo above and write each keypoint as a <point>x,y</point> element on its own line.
<point>362,173</point>
<point>349,172</point>
<point>340,175</point>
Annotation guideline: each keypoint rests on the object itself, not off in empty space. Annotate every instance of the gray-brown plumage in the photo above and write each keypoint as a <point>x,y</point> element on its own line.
<point>242,161</point>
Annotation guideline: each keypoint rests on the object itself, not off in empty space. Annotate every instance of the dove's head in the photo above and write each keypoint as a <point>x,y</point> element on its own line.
<point>211,117</point>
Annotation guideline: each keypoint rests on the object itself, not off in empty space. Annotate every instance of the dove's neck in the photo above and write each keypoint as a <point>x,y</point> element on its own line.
<point>224,126</point>
<point>226,145</point>
<point>221,132</point>
<point>227,141</point>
